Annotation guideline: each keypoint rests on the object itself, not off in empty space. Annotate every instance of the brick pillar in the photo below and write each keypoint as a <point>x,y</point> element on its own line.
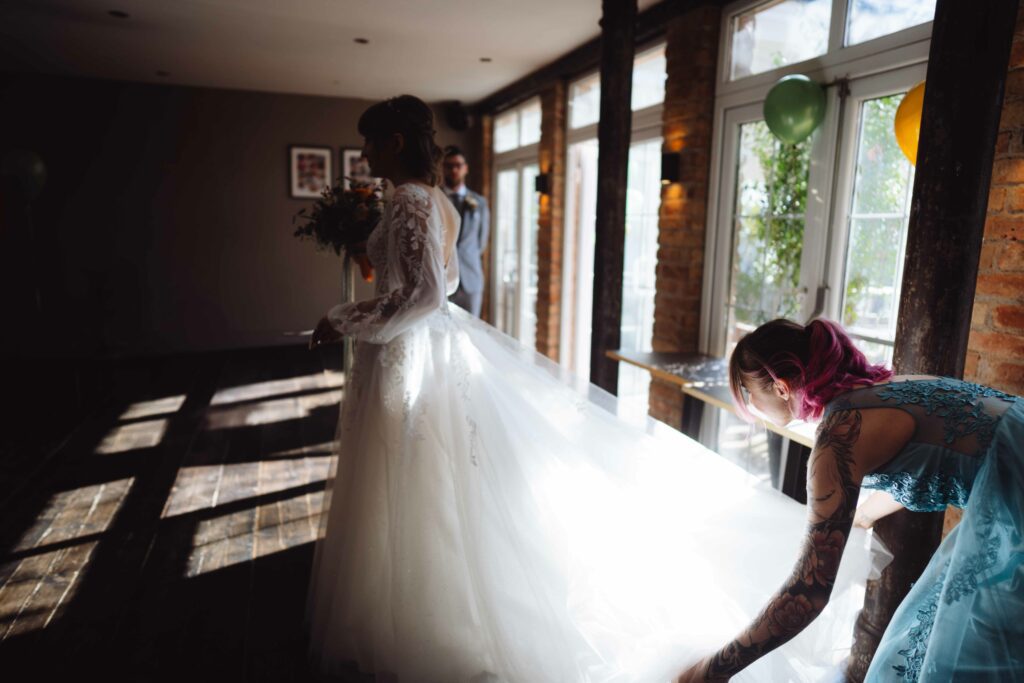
<point>691,55</point>
<point>995,354</point>
<point>486,176</point>
<point>995,349</point>
<point>550,235</point>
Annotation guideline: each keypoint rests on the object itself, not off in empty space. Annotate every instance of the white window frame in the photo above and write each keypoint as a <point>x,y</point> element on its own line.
<point>514,159</point>
<point>646,124</point>
<point>741,100</point>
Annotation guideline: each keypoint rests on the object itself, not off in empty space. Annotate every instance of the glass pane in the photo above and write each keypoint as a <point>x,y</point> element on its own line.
<point>649,78</point>
<point>771,198</point>
<point>530,212</point>
<point>581,215</point>
<point>878,221</point>
<point>648,89</point>
<point>585,101</point>
<point>877,353</point>
<point>529,123</point>
<point>867,19</point>
<point>777,34</point>
<point>768,219</point>
<point>507,252</point>
<point>749,446</point>
<point>643,201</point>
<point>506,132</point>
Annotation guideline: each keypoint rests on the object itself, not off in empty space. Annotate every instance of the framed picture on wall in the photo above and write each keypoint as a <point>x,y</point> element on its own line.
<point>355,166</point>
<point>310,170</point>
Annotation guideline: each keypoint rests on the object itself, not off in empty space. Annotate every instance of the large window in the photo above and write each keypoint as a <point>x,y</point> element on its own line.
<point>643,200</point>
<point>819,228</point>
<point>765,36</point>
<point>515,267</point>
<point>876,220</point>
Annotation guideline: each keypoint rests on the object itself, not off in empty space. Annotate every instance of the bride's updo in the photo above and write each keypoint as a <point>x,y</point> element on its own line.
<point>819,361</point>
<point>413,118</point>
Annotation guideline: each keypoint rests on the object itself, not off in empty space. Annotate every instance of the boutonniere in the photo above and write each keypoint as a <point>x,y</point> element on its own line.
<point>470,202</point>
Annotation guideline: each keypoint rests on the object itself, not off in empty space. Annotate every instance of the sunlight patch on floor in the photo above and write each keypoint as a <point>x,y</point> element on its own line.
<point>42,583</point>
<point>277,387</point>
<point>205,486</point>
<point>133,436</point>
<point>157,406</point>
<point>253,533</point>
<point>270,411</point>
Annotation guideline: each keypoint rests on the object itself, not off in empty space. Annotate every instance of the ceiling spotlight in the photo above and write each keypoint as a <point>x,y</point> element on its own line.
<point>118,14</point>
<point>485,59</point>
<point>362,41</point>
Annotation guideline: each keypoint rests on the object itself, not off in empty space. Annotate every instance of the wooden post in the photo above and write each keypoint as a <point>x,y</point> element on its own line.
<point>967,64</point>
<point>618,29</point>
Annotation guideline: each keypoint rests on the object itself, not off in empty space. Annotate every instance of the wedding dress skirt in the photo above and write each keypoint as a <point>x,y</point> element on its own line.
<point>491,519</point>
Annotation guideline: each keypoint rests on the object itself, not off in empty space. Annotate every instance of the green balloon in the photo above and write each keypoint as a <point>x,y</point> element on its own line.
<point>794,107</point>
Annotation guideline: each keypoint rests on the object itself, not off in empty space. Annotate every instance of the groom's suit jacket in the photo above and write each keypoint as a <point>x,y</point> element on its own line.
<point>476,225</point>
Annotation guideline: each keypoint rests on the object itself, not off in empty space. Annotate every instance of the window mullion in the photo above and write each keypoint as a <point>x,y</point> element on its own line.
<point>837,26</point>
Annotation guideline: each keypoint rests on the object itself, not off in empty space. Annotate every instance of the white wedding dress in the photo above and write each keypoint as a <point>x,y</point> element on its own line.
<point>491,520</point>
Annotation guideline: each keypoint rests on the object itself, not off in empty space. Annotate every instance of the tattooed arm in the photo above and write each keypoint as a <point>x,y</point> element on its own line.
<point>833,483</point>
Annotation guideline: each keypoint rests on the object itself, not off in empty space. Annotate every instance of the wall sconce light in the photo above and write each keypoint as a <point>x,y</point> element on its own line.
<point>670,162</point>
<point>542,183</point>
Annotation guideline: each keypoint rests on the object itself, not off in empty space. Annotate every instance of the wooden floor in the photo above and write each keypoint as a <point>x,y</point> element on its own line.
<point>170,537</point>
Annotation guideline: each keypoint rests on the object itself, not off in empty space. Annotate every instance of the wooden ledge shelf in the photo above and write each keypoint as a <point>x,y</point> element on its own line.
<point>704,380</point>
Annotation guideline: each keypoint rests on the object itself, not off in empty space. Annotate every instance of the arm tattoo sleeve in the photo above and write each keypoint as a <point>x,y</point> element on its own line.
<point>832,499</point>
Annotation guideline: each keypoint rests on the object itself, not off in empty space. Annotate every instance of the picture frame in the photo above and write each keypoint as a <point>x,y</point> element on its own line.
<point>355,166</point>
<point>310,170</point>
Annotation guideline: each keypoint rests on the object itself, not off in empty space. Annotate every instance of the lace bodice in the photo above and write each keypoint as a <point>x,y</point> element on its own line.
<point>412,252</point>
<point>954,425</point>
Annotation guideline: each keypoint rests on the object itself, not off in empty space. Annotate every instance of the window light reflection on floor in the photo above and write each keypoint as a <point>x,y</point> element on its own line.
<point>277,387</point>
<point>157,406</point>
<point>133,436</point>
<point>245,535</point>
<point>206,486</point>
<point>270,411</point>
<point>42,583</point>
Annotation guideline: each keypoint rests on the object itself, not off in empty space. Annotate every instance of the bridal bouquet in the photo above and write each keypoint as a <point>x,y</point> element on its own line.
<point>342,219</point>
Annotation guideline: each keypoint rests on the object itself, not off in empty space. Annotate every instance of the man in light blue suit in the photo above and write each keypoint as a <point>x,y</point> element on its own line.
<point>476,225</point>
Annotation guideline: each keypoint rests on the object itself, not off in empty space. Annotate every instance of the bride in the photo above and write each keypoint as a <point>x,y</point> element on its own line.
<point>490,519</point>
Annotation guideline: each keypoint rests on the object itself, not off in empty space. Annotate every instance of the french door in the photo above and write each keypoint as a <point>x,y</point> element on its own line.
<point>515,251</point>
<point>811,230</point>
<point>819,228</point>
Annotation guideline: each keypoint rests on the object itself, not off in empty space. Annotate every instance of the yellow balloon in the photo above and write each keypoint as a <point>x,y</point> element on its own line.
<point>908,121</point>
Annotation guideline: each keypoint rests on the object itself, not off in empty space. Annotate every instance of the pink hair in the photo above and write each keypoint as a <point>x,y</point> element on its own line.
<point>818,361</point>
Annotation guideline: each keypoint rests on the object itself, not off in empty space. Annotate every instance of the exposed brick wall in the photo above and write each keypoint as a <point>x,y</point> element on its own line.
<point>550,231</point>
<point>995,353</point>
<point>691,55</point>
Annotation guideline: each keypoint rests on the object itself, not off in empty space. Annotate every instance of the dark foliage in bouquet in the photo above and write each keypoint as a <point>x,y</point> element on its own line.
<point>342,218</point>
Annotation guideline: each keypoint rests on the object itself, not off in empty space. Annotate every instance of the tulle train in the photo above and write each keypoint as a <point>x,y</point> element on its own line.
<point>491,520</point>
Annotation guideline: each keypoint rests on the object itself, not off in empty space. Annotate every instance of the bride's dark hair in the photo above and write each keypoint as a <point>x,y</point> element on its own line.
<point>413,118</point>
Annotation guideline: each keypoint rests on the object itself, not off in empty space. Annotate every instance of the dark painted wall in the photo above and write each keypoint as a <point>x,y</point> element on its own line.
<point>165,221</point>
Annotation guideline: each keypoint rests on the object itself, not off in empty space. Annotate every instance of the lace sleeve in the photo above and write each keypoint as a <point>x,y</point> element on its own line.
<point>414,272</point>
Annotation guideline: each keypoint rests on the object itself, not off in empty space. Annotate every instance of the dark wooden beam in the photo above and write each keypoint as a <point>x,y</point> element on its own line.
<point>618,23</point>
<point>967,65</point>
<point>649,25</point>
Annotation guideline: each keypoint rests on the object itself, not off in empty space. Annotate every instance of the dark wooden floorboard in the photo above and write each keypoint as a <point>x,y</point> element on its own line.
<point>172,535</point>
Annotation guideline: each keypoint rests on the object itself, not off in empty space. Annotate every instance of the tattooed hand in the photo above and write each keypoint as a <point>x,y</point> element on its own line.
<point>833,482</point>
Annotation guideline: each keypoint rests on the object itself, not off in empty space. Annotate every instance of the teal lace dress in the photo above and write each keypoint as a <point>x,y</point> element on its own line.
<point>963,620</point>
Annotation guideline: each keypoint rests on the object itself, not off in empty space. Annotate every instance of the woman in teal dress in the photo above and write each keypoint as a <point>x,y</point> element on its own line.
<point>924,442</point>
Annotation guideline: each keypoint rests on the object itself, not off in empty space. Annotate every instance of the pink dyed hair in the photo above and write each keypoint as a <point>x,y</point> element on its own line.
<point>818,361</point>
